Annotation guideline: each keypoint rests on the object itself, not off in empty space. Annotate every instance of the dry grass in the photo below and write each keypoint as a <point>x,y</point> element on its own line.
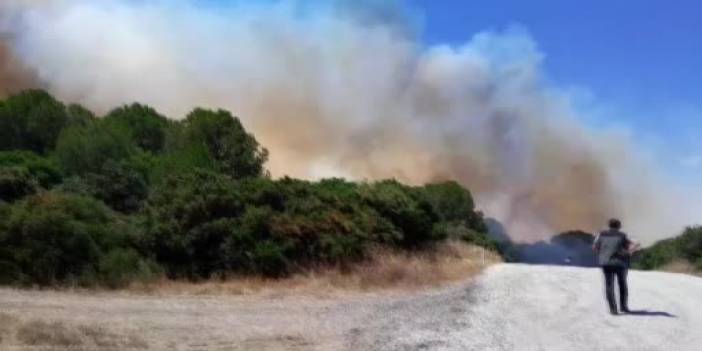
<point>681,266</point>
<point>40,333</point>
<point>57,335</point>
<point>7,323</point>
<point>278,343</point>
<point>385,270</point>
<point>102,338</point>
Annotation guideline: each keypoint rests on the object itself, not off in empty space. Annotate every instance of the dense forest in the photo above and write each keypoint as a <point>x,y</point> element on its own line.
<point>105,200</point>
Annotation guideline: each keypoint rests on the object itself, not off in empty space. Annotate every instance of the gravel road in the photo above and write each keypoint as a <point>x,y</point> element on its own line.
<point>509,307</point>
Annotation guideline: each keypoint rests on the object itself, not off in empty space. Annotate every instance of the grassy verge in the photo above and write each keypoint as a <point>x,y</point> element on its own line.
<point>384,270</point>
<point>17,334</point>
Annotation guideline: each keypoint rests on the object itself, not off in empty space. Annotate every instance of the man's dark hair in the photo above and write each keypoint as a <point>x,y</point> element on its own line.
<point>615,223</point>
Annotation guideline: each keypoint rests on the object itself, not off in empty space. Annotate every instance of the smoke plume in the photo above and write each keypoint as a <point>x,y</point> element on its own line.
<point>14,76</point>
<point>346,89</point>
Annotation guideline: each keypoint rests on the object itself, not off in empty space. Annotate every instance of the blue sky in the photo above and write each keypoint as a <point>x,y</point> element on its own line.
<point>639,60</point>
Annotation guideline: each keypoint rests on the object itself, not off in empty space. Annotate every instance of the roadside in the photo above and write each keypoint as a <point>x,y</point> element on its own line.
<point>314,311</point>
<point>509,307</point>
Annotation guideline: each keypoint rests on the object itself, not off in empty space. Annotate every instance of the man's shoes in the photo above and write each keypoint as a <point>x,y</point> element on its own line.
<point>625,310</point>
<point>613,311</point>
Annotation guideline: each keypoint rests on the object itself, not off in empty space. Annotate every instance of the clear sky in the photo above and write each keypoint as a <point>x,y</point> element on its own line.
<point>639,60</point>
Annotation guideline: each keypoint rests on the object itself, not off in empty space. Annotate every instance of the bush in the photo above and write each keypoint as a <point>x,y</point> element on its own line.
<point>45,171</point>
<point>268,258</point>
<point>657,256</point>
<point>459,231</point>
<point>451,201</point>
<point>406,208</point>
<point>120,184</point>
<point>202,223</point>
<point>686,246</point>
<point>16,183</point>
<point>121,266</point>
<point>23,173</point>
<point>690,244</point>
<point>186,222</point>
<point>55,237</point>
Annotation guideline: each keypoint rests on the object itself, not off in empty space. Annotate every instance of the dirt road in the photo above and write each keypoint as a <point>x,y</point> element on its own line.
<point>510,307</point>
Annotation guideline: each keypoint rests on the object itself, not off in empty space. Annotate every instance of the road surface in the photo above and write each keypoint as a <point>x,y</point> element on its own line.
<point>509,307</point>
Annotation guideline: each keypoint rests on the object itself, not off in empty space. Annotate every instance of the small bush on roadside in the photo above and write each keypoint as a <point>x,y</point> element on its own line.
<point>54,237</point>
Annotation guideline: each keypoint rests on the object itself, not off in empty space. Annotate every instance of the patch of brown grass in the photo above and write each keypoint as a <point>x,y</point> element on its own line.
<point>40,333</point>
<point>7,323</point>
<point>57,335</point>
<point>681,266</point>
<point>448,262</point>
<point>103,338</point>
<point>278,343</point>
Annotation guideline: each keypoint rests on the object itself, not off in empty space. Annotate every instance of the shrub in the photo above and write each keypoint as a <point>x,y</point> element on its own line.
<point>242,236</point>
<point>23,173</point>
<point>657,256</point>
<point>686,246</point>
<point>406,208</point>
<point>44,170</point>
<point>690,243</point>
<point>121,266</point>
<point>120,185</point>
<point>185,222</point>
<point>268,258</point>
<point>16,183</point>
<point>55,237</point>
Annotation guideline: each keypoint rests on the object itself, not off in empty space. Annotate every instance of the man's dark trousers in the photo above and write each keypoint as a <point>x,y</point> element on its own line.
<point>620,273</point>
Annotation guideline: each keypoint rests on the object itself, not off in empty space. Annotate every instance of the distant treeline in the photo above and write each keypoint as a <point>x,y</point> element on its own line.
<point>130,195</point>
<point>575,248</point>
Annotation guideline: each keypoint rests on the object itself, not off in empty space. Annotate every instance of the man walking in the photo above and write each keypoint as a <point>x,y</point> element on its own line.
<point>614,251</point>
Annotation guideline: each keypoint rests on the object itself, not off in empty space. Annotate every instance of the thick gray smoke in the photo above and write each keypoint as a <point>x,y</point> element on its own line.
<point>347,90</point>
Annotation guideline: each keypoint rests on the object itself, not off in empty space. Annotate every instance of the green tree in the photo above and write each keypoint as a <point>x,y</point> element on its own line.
<point>235,152</point>
<point>31,120</point>
<point>143,124</point>
<point>454,203</point>
<point>179,156</point>
<point>85,149</point>
<point>79,115</point>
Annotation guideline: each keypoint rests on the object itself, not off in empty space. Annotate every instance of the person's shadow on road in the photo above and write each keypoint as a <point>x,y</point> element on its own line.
<point>650,313</point>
